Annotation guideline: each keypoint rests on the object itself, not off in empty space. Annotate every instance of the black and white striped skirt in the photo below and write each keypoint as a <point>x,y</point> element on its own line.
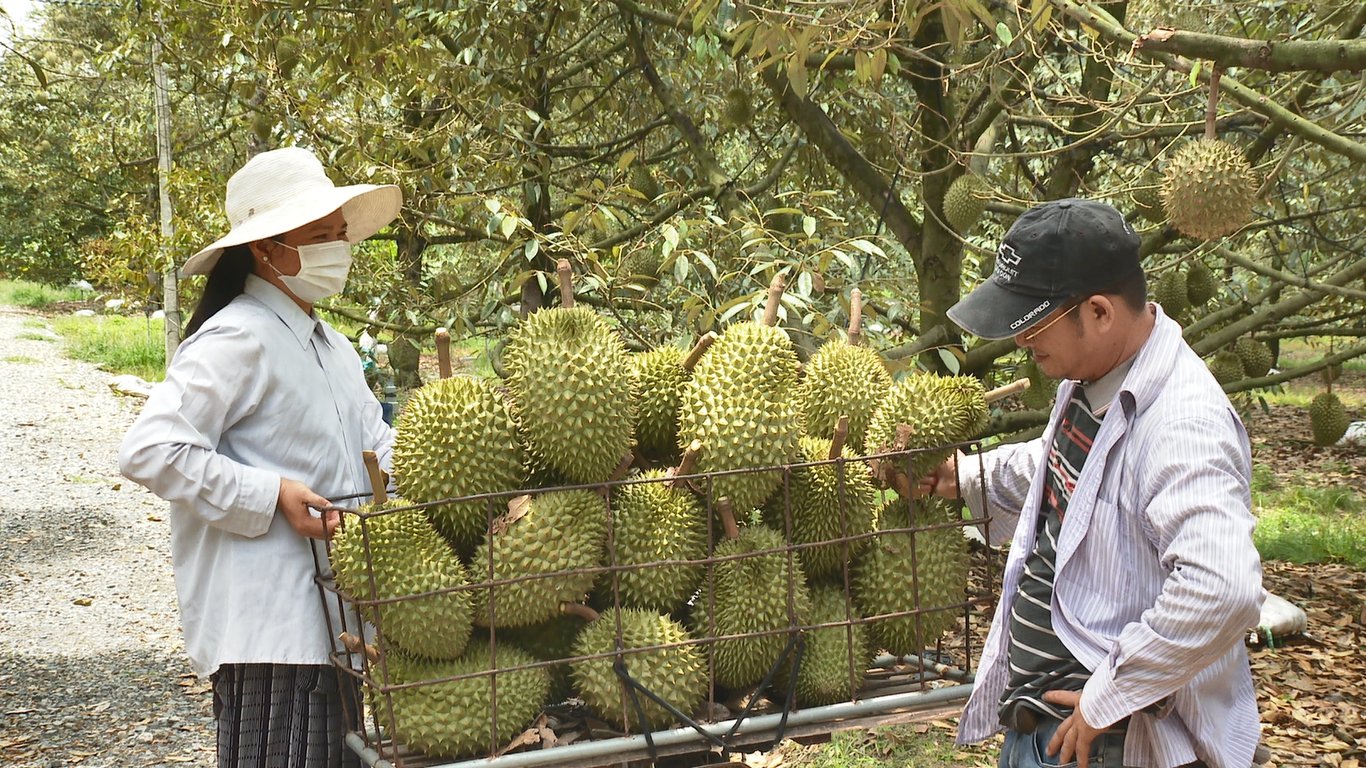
<point>283,716</point>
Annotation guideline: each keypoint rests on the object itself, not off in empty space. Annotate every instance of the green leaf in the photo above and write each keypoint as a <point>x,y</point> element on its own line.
<point>670,235</point>
<point>867,247</point>
<point>804,284</point>
<point>950,361</point>
<point>681,268</point>
<point>492,204</point>
<point>531,248</point>
<point>1003,33</point>
<point>809,225</point>
<point>508,226</point>
<point>706,261</point>
<point>1195,73</point>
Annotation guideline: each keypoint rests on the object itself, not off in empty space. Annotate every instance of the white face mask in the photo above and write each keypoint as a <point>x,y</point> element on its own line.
<point>322,270</point>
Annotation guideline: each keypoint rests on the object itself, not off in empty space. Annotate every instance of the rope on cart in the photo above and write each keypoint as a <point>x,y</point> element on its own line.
<point>796,646</point>
<point>633,686</point>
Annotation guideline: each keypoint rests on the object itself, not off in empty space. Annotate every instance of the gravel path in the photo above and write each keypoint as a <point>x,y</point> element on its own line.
<point>92,668</point>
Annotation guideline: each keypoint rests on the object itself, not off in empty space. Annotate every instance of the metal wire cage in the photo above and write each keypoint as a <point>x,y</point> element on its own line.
<point>884,688</point>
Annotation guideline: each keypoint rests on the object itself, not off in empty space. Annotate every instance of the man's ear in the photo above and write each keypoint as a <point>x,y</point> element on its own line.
<point>1102,309</point>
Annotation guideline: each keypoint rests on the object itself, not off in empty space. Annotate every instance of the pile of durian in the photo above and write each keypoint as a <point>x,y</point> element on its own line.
<point>726,509</point>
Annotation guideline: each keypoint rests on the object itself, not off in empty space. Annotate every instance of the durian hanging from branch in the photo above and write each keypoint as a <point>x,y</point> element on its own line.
<point>1208,188</point>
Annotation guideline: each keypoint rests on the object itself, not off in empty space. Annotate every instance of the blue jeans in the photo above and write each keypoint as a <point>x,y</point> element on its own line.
<point>1030,750</point>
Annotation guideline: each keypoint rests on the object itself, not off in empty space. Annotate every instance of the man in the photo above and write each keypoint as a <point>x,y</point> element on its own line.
<point>263,409</point>
<point>1132,575</point>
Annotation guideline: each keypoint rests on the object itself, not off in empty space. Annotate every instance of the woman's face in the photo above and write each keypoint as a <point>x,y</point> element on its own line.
<point>286,260</point>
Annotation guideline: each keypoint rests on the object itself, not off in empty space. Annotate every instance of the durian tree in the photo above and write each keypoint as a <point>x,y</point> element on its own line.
<point>682,154</point>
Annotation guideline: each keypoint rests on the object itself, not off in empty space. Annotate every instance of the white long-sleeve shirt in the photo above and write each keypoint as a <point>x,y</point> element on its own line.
<point>261,392</point>
<point>1157,576</point>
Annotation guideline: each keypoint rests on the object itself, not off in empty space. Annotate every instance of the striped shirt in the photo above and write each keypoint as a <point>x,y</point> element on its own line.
<point>1038,660</point>
<point>1156,575</point>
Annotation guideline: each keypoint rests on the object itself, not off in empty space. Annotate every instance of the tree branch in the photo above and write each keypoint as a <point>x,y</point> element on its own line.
<point>1288,278</point>
<point>1326,56</point>
<point>1297,373</point>
<point>1099,19</point>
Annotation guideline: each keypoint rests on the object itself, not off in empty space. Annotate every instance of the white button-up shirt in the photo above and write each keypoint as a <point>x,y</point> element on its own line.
<point>1157,576</point>
<point>261,392</point>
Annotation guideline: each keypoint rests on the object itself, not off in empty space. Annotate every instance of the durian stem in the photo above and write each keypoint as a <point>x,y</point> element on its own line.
<point>1013,388</point>
<point>699,349</point>
<point>841,435</point>
<point>354,644</point>
<point>891,475</point>
<point>855,317</point>
<point>726,511</point>
<point>376,476</point>
<point>443,352</point>
<point>1212,110</point>
<point>565,274</point>
<point>580,610</point>
<point>623,467</point>
<point>903,437</point>
<point>775,300</point>
<point>687,465</point>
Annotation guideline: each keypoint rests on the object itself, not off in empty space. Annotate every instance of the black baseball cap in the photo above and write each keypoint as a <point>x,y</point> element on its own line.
<point>1054,252</point>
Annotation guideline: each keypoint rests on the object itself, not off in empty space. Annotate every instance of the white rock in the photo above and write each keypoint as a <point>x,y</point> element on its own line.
<point>82,285</point>
<point>160,314</point>
<point>113,304</point>
<point>84,313</point>
<point>128,384</point>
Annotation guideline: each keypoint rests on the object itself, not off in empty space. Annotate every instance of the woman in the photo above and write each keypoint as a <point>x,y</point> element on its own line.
<point>264,409</point>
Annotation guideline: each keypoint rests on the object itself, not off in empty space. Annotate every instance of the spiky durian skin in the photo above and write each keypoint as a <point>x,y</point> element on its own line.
<point>572,392</point>
<point>1226,367</point>
<point>455,718</point>
<point>741,403</point>
<point>406,556</point>
<point>1148,199</point>
<point>842,380</point>
<point>900,565</point>
<point>650,523</point>
<point>456,437</point>
<point>750,595</point>
<point>1170,292</point>
<point>965,202</point>
<point>933,411</point>
<point>548,641</point>
<point>562,533</point>
<point>972,403</point>
<point>677,675</point>
<point>1208,189</point>
<point>828,502</point>
<point>659,383</point>
<point>835,659</point>
<point>1255,356</point>
<point>1200,284</point>
<point>1327,419</point>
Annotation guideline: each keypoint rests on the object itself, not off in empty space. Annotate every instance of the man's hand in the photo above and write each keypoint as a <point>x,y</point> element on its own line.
<point>294,502</point>
<point>942,481</point>
<point>1075,735</point>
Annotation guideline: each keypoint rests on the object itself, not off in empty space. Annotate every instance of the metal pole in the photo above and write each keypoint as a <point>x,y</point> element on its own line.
<point>170,288</point>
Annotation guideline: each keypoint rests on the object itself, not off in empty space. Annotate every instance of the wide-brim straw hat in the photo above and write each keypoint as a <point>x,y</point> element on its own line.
<point>284,189</point>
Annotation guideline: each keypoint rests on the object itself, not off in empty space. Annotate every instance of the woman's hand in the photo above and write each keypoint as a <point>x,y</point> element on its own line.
<point>296,502</point>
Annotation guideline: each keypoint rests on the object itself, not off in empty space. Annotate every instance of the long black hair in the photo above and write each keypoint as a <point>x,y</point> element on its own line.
<point>227,280</point>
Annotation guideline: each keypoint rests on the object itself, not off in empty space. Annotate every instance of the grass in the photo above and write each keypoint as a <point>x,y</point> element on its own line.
<point>918,745</point>
<point>121,345</point>
<point>1305,524</point>
<point>22,359</point>
<point>35,296</point>
<point>476,351</point>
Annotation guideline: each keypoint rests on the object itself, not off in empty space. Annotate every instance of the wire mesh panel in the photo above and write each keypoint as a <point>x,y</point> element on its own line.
<point>644,617</point>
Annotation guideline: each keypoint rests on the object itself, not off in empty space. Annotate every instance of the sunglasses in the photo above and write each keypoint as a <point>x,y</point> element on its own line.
<point>1033,333</point>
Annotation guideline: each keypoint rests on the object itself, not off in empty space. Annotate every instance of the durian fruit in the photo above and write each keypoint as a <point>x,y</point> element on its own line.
<point>965,201</point>
<point>640,262</point>
<point>1327,419</point>
<point>456,437</point>
<point>1208,189</point>
<point>660,375</point>
<point>1226,367</point>
<point>1041,390</point>
<point>555,535</point>
<point>933,411</point>
<point>651,522</point>
<point>1200,284</point>
<point>572,391</point>
<point>828,503</point>
<point>396,554</point>
<point>741,404</point>
<point>287,48</point>
<point>1255,356</point>
<point>835,660</point>
<point>456,718</point>
<point>738,110</point>
<point>749,595</point>
<point>902,564</point>
<point>1170,292</point>
<point>970,395</point>
<point>843,379</point>
<point>549,641</point>
<point>677,674</point>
